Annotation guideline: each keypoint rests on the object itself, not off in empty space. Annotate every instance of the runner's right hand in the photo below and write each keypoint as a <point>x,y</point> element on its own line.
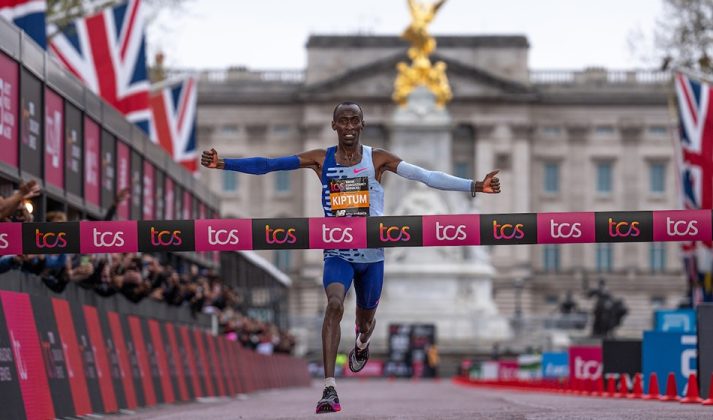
<point>209,159</point>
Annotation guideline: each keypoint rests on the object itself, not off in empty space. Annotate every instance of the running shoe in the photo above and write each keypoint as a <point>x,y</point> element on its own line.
<point>329,402</point>
<point>358,358</point>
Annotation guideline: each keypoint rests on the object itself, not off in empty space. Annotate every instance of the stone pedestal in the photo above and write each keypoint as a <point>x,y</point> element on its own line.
<point>447,286</point>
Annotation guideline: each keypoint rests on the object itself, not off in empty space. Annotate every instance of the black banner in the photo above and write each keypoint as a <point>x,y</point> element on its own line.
<point>157,235</point>
<point>32,110</point>
<point>620,226</point>
<point>153,361</point>
<point>133,362</point>
<point>508,229</point>
<point>87,354</point>
<point>136,185</point>
<point>74,144</point>
<point>399,361</point>
<point>115,369</point>
<point>621,356</point>
<point>171,350</point>
<point>108,169</point>
<point>10,394</point>
<point>53,356</point>
<point>50,238</point>
<point>392,231</point>
<point>280,233</point>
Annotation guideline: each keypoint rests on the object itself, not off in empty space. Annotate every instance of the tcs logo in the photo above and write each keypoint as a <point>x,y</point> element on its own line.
<point>565,230</point>
<point>50,239</point>
<point>107,239</point>
<point>508,231</point>
<point>623,229</point>
<point>681,227</point>
<point>336,234</point>
<point>450,232</point>
<point>394,233</point>
<point>280,235</point>
<point>587,369</point>
<point>222,236</point>
<point>165,237</point>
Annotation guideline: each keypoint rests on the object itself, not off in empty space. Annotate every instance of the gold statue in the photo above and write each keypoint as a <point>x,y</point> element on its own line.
<point>421,72</point>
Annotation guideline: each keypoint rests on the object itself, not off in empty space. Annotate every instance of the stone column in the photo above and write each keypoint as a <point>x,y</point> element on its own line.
<point>575,182</point>
<point>632,175</point>
<point>484,159</point>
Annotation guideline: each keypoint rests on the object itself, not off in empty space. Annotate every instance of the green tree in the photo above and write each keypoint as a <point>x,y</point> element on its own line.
<point>685,35</point>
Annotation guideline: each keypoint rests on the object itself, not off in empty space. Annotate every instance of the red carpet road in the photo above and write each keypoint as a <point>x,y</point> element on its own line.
<point>403,399</point>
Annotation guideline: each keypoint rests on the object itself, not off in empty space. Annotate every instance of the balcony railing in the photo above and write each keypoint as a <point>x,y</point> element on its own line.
<point>242,74</point>
<point>599,76</point>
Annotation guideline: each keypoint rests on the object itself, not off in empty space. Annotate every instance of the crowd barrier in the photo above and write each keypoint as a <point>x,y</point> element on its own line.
<point>62,358</point>
<point>355,232</point>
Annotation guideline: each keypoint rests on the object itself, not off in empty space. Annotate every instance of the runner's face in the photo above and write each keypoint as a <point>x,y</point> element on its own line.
<point>348,124</point>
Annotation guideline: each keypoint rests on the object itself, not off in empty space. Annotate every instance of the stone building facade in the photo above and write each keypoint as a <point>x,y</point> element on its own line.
<point>588,140</point>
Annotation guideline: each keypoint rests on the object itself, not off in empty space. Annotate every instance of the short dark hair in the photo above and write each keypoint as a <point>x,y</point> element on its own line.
<point>346,103</point>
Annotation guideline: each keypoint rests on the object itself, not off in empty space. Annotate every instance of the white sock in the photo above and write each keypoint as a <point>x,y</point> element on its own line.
<point>330,382</point>
<point>359,344</point>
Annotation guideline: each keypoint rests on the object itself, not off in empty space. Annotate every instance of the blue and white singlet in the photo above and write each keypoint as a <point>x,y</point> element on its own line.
<point>344,194</point>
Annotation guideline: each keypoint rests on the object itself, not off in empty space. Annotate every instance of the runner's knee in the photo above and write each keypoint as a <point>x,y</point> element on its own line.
<point>335,306</point>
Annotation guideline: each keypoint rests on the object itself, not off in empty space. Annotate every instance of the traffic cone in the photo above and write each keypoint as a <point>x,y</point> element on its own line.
<point>692,396</point>
<point>599,387</point>
<point>638,389</point>
<point>709,401</point>
<point>611,387</point>
<point>654,393</point>
<point>623,386</point>
<point>671,392</point>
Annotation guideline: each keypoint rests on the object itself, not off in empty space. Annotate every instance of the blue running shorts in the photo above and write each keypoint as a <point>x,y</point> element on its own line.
<point>368,279</point>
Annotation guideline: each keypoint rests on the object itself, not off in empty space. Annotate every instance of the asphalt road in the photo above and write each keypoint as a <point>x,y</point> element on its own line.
<point>404,399</point>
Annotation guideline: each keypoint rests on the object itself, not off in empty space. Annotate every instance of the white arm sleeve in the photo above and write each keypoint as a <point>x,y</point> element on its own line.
<point>433,179</point>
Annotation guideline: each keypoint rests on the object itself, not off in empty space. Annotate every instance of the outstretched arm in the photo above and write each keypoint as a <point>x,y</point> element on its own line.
<point>436,179</point>
<point>263,165</point>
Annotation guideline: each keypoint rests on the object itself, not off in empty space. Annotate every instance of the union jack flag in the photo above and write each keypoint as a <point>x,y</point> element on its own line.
<point>173,105</point>
<point>29,15</point>
<point>107,51</point>
<point>695,164</point>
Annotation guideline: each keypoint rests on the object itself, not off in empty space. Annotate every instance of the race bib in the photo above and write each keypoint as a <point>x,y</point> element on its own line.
<point>349,197</point>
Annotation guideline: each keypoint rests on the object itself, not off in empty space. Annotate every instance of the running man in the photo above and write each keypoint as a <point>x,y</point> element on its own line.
<point>359,168</point>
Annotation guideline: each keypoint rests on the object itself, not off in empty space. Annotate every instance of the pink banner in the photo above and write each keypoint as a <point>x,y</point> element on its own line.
<point>682,225</point>
<point>10,238</point>
<point>451,230</point>
<point>223,235</point>
<point>337,232</point>
<point>102,237</point>
<point>170,201</point>
<point>560,228</point>
<point>91,161</point>
<point>585,364</point>
<point>508,370</point>
<point>25,342</point>
<point>9,89</point>
<point>54,139</point>
<point>149,188</point>
<point>123,176</point>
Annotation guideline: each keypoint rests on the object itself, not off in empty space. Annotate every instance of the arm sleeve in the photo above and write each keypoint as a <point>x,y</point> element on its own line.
<point>261,165</point>
<point>433,179</point>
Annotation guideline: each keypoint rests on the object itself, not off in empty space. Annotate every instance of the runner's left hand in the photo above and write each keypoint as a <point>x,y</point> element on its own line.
<point>491,183</point>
